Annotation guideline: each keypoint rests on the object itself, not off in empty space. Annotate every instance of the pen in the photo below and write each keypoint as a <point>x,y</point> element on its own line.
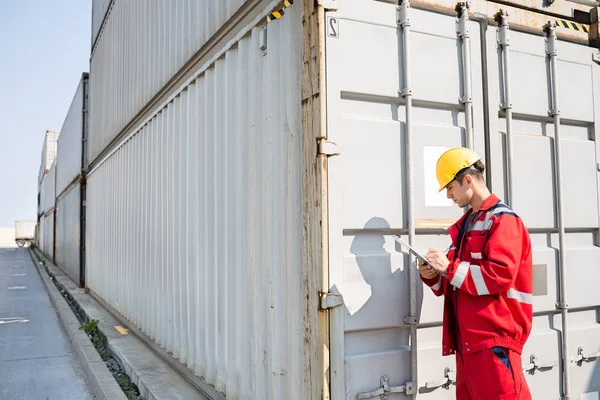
<point>450,248</point>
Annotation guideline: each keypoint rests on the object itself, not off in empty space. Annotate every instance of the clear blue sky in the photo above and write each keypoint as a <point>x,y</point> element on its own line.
<point>44,48</point>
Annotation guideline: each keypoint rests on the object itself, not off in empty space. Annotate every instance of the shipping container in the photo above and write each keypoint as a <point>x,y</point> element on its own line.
<point>70,158</point>
<point>48,153</point>
<point>46,235</point>
<point>140,48</point>
<point>244,223</point>
<point>40,233</point>
<point>188,216</point>
<point>48,191</point>
<point>24,232</point>
<point>100,9</point>
<point>68,233</point>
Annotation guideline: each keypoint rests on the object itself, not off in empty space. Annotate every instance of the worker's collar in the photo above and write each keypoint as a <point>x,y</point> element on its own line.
<point>488,203</point>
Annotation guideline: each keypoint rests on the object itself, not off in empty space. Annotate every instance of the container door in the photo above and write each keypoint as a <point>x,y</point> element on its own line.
<point>534,189</point>
<point>370,339</point>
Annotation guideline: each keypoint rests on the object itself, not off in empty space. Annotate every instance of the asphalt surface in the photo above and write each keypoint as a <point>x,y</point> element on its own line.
<point>35,355</point>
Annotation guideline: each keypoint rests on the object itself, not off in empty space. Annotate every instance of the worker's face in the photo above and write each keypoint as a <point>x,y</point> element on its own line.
<point>461,194</point>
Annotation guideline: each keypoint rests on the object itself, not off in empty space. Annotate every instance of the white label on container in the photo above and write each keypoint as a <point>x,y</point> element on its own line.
<point>430,183</point>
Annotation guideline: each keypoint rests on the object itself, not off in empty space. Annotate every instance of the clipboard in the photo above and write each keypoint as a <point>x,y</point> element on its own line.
<point>415,253</point>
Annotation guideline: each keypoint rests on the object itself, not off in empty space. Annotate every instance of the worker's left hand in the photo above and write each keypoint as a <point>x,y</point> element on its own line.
<point>438,259</point>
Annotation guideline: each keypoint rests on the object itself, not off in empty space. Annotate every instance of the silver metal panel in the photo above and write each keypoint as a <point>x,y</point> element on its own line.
<point>584,334</point>
<point>575,90</point>
<point>545,254</point>
<point>533,163</point>
<point>194,224</point>
<point>99,10</point>
<point>67,233</point>
<point>581,200</point>
<point>142,45</point>
<point>529,81</point>
<point>42,233</point>
<point>48,236</point>
<point>49,147</point>
<point>48,190</point>
<point>69,143</point>
<point>543,343</point>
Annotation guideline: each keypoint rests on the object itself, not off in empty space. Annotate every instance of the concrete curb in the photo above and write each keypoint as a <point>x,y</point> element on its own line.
<point>100,379</point>
<point>155,378</point>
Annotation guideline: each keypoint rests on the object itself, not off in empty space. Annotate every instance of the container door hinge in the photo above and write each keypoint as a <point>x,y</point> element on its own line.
<point>535,364</point>
<point>330,300</point>
<point>328,148</point>
<point>462,8</point>
<point>446,382</point>
<point>328,4</point>
<point>403,14</point>
<point>385,389</point>
<point>583,356</point>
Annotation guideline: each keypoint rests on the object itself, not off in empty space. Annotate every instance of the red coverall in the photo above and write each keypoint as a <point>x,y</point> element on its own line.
<point>487,303</point>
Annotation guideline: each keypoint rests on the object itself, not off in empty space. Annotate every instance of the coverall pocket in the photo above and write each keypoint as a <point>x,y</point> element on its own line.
<point>502,356</point>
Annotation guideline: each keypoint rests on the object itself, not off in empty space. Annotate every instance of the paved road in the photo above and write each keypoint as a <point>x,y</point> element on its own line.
<point>35,356</point>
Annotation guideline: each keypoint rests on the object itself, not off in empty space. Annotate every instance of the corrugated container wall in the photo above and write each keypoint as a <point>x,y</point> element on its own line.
<point>49,149</point>
<point>48,190</point>
<point>24,229</point>
<point>195,226</point>
<point>48,238</point>
<point>68,233</point>
<point>143,44</point>
<point>69,143</point>
<point>99,10</point>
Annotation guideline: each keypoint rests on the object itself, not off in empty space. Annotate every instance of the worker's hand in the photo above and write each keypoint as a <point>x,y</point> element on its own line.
<point>438,259</point>
<point>426,271</point>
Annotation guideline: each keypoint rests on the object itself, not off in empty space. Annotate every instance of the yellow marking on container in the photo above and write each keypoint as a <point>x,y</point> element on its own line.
<point>279,13</point>
<point>572,25</point>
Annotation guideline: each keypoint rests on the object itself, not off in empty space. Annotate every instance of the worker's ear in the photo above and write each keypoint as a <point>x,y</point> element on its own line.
<point>468,180</point>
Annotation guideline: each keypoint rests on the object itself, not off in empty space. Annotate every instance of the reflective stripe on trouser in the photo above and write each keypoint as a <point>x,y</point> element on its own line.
<point>483,375</point>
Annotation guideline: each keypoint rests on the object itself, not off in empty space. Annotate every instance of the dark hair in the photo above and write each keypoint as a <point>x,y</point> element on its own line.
<point>476,171</point>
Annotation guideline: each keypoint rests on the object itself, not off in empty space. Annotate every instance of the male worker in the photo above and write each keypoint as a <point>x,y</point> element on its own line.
<point>487,293</point>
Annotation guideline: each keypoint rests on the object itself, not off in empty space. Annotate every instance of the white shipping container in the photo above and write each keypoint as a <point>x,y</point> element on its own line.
<point>68,228</point>
<point>99,11</point>
<point>48,190</point>
<point>69,159</point>
<point>190,217</point>
<point>47,235</point>
<point>24,229</point>
<point>142,45</point>
<point>41,233</point>
<point>264,262</point>
<point>49,149</point>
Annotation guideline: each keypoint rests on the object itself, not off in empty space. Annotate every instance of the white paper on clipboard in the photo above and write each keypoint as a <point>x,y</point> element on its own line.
<point>419,256</point>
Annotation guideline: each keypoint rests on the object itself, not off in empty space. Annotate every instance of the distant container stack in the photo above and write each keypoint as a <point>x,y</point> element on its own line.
<point>49,149</point>
<point>70,186</point>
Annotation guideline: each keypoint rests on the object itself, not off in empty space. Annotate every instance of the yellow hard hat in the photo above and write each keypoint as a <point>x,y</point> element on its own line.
<point>453,161</point>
